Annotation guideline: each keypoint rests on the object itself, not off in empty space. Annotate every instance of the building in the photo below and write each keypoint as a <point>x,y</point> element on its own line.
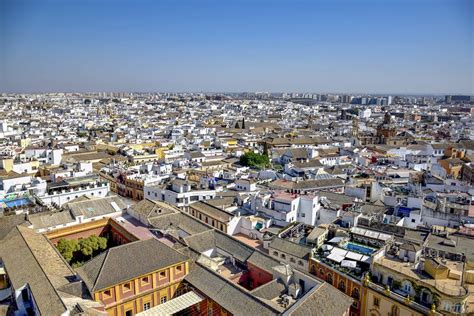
<point>285,208</point>
<point>135,277</point>
<point>37,280</point>
<point>180,193</point>
<point>215,217</point>
<point>290,253</point>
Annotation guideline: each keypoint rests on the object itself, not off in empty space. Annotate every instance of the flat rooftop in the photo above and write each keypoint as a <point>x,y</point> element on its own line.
<point>447,286</point>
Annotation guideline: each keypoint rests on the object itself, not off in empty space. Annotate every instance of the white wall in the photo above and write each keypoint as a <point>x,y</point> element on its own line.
<point>62,197</point>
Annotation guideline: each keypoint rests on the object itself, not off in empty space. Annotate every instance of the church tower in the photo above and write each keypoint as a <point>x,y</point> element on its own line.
<point>355,127</point>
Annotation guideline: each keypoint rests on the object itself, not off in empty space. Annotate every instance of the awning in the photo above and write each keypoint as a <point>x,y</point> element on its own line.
<point>335,257</point>
<point>348,264</point>
<point>354,256</point>
<point>175,305</point>
<point>335,240</point>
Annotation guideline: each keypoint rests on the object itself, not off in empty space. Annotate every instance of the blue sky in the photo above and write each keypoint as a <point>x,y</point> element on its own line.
<point>354,46</point>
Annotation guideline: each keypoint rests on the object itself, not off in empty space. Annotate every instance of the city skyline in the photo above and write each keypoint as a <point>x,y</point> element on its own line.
<point>364,47</point>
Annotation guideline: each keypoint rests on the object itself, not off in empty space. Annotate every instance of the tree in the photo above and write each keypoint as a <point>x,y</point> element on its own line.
<point>98,243</point>
<point>102,242</point>
<point>67,248</point>
<point>86,247</point>
<point>252,159</point>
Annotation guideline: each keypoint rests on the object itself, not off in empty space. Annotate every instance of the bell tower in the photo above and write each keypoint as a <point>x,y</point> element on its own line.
<point>355,127</point>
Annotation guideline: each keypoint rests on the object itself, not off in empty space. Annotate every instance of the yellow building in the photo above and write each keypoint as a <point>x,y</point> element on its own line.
<point>142,146</point>
<point>160,152</point>
<point>380,302</point>
<point>25,142</point>
<point>453,166</point>
<point>135,277</point>
<point>210,215</point>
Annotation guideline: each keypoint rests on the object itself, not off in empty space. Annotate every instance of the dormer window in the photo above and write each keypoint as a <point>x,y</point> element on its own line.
<point>127,286</point>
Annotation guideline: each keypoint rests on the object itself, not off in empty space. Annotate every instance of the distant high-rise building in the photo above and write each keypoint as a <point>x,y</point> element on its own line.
<point>458,98</point>
<point>346,99</point>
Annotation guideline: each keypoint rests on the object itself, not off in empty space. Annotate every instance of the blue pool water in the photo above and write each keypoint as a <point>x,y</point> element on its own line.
<point>359,248</point>
<point>18,202</point>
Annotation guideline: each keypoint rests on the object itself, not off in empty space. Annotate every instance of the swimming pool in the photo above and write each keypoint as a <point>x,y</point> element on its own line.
<point>359,248</point>
<point>14,203</point>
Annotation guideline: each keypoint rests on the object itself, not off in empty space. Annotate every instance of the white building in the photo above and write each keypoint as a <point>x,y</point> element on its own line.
<point>285,208</point>
<point>179,193</point>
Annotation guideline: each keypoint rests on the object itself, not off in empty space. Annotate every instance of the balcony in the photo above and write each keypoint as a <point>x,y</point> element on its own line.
<point>400,298</point>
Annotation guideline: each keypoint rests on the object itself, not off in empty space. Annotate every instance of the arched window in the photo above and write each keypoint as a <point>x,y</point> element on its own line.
<point>395,310</point>
<point>426,296</point>
<point>313,270</point>
<point>355,293</point>
<point>275,253</point>
<point>329,278</point>
<point>407,287</point>
<point>321,272</point>
<point>447,306</point>
<point>342,286</point>
<point>458,308</point>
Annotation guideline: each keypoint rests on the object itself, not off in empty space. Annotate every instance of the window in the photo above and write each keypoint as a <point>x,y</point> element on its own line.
<point>146,306</point>
<point>292,260</point>
<point>162,274</point>
<point>24,295</point>
<point>447,306</point>
<point>283,256</point>
<point>275,253</point>
<point>355,293</point>
<point>395,310</point>
<point>179,268</point>
<point>163,300</point>
<point>127,286</point>
<point>129,313</point>
<point>407,287</point>
<point>107,294</point>
<point>329,278</point>
<point>145,280</point>
<point>300,263</point>
<point>457,308</point>
<point>425,296</point>
<point>342,285</point>
<point>376,302</point>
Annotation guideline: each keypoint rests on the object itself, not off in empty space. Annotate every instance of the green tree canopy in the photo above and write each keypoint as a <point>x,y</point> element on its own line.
<point>252,159</point>
<point>86,246</point>
<point>67,248</point>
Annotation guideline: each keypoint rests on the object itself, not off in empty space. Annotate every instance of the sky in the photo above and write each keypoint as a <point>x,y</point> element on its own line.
<point>322,46</point>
